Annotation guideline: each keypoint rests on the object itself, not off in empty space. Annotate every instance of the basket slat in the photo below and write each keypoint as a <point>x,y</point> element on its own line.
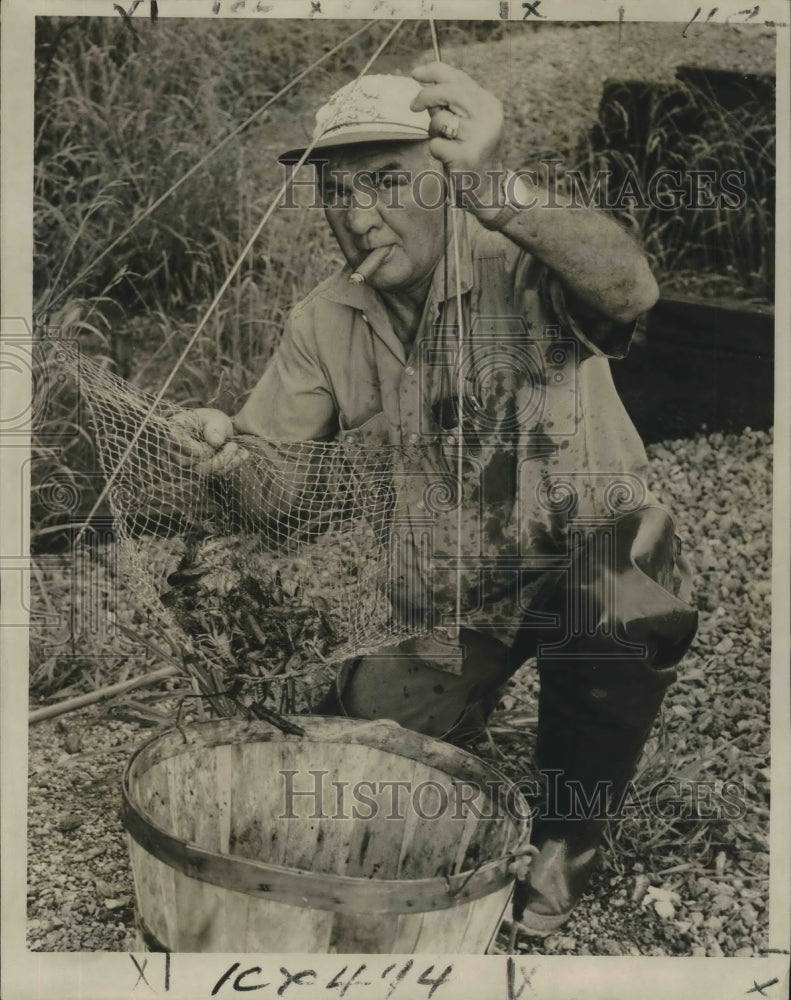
<point>219,867</point>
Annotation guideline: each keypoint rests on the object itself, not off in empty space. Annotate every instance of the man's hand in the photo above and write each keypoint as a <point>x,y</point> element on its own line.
<point>201,439</point>
<point>591,254</point>
<point>466,122</point>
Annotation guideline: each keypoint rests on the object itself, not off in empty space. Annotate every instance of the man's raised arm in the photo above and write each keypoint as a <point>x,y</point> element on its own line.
<point>598,261</point>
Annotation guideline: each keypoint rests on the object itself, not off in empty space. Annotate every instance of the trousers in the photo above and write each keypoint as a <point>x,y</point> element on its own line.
<point>614,627</point>
<point>620,621</point>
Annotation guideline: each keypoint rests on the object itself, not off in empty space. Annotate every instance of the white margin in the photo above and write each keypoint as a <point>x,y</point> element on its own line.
<point>105,976</point>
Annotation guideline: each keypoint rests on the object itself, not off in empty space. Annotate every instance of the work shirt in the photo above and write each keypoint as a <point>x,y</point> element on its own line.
<point>546,444</point>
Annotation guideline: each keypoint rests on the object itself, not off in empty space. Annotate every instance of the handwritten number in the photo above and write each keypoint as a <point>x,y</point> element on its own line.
<point>238,980</point>
<point>749,13</point>
<point>336,982</point>
<point>437,981</point>
<point>684,32</point>
<point>709,16</point>
<point>398,978</point>
<point>224,979</point>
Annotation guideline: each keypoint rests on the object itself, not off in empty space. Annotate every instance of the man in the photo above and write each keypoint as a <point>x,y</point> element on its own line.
<point>563,552</point>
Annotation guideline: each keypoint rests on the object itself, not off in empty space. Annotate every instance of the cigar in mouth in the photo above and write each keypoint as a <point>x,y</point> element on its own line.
<point>374,260</point>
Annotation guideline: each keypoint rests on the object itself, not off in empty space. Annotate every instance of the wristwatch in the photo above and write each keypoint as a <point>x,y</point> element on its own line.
<point>509,209</point>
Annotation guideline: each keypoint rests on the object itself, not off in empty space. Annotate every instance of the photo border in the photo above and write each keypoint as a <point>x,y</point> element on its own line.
<point>110,975</point>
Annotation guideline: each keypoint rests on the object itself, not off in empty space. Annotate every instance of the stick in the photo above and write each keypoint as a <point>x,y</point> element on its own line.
<point>201,162</point>
<point>80,701</point>
<point>241,258</point>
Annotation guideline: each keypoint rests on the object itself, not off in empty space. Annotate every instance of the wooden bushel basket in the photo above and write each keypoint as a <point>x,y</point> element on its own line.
<point>228,856</point>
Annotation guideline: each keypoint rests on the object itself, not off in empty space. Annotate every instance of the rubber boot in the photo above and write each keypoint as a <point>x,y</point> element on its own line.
<point>602,684</point>
<point>401,683</point>
<point>587,754</point>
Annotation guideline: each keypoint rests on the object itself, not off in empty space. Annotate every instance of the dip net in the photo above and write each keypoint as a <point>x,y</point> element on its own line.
<point>263,576</point>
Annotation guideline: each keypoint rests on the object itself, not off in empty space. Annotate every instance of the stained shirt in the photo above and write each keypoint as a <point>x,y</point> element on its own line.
<point>540,443</point>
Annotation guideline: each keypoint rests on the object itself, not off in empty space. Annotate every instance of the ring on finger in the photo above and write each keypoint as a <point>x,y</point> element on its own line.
<point>450,129</point>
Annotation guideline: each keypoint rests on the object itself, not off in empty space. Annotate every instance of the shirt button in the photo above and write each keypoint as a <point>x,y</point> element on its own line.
<point>413,438</point>
<point>450,439</point>
<point>409,370</point>
<point>349,437</point>
<point>364,317</point>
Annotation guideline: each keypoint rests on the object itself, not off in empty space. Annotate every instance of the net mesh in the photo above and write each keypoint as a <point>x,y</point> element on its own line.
<point>261,574</point>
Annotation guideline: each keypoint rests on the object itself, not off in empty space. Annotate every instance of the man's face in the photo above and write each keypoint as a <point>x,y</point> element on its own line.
<point>371,200</point>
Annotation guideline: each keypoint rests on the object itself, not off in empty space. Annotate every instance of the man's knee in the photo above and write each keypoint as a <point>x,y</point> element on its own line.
<point>623,597</point>
<point>406,684</point>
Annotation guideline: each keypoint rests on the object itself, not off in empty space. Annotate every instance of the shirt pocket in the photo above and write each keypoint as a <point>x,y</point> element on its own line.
<point>373,431</point>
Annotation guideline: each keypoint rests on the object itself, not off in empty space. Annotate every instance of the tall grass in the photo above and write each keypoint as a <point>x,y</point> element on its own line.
<point>689,127</point>
<point>117,124</point>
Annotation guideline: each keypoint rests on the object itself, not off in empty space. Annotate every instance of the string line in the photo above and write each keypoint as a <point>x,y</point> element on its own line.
<point>213,305</point>
<point>459,364</point>
<point>53,301</point>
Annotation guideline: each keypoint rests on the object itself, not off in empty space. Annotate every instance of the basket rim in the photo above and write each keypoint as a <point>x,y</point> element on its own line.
<point>298,886</point>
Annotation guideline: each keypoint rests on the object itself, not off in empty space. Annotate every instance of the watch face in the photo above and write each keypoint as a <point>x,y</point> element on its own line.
<point>511,197</point>
<point>503,217</point>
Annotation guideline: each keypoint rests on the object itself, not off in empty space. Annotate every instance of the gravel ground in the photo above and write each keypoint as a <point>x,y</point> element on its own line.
<point>550,80</point>
<point>80,891</point>
<point>697,889</point>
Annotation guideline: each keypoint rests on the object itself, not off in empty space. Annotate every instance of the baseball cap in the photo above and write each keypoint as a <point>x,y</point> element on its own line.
<point>373,108</point>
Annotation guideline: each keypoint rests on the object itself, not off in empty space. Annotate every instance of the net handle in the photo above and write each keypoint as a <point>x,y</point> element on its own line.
<point>213,305</point>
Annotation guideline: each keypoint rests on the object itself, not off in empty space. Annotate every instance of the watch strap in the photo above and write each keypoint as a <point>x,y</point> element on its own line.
<point>506,213</point>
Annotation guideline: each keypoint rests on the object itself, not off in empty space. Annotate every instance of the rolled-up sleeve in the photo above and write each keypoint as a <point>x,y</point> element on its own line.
<point>292,401</point>
<point>601,336</point>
